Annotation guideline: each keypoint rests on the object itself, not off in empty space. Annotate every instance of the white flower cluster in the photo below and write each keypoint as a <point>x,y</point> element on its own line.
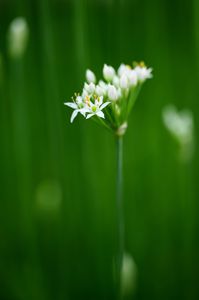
<point>114,93</point>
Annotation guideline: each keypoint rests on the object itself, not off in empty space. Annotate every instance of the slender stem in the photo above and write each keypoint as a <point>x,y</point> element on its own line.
<point>120,218</point>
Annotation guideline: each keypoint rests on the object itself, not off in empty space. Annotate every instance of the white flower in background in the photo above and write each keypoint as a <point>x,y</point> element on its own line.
<point>112,93</point>
<point>181,126</point>
<point>90,88</point>
<point>18,37</point>
<point>90,76</point>
<point>143,72</point>
<point>79,107</point>
<point>108,72</point>
<point>128,275</point>
<point>96,108</point>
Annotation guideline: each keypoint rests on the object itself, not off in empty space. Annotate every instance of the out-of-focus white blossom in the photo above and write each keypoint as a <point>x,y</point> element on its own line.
<point>181,126</point>
<point>18,37</point>
<point>128,275</point>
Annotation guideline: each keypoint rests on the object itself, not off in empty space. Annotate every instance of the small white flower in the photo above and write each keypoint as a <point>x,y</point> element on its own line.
<point>90,88</point>
<point>112,93</point>
<point>108,72</point>
<point>90,76</point>
<point>96,108</point>
<point>78,106</point>
<point>143,73</point>
<point>124,81</point>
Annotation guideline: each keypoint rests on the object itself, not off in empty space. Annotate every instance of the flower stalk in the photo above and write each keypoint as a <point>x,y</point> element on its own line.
<point>120,215</point>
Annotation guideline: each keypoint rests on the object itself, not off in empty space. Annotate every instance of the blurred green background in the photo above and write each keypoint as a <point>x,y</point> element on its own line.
<point>57,210</point>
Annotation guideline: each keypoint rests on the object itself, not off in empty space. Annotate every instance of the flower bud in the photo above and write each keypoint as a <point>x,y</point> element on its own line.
<point>121,69</point>
<point>90,88</point>
<point>116,81</point>
<point>112,93</point>
<point>108,72</point>
<point>100,91</point>
<point>132,76</point>
<point>124,81</point>
<point>17,37</point>
<point>90,76</point>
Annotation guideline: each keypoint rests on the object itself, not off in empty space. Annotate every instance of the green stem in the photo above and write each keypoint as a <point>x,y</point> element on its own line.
<point>120,218</point>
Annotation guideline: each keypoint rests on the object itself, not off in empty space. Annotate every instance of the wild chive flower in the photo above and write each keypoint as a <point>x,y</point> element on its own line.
<point>96,108</point>
<point>112,98</point>
<point>109,102</point>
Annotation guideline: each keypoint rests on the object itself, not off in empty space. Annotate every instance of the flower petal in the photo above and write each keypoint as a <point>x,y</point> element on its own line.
<point>71,104</point>
<point>100,114</point>
<point>89,116</point>
<point>83,111</point>
<point>104,105</point>
<point>73,116</point>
